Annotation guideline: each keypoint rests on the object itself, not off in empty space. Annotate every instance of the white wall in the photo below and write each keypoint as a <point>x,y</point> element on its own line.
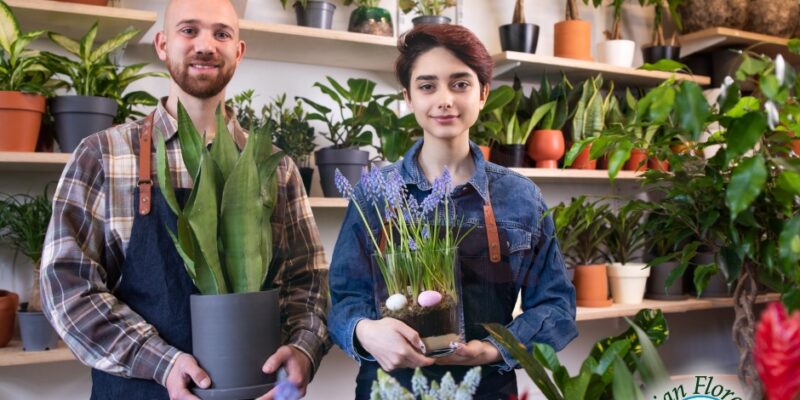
<point>697,337</point>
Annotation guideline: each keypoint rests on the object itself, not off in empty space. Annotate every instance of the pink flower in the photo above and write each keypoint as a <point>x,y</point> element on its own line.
<point>777,352</point>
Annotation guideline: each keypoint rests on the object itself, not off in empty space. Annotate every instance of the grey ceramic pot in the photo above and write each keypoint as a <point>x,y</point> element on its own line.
<point>430,19</point>
<point>77,117</point>
<point>317,14</point>
<point>36,332</point>
<point>657,281</point>
<point>349,161</point>
<point>232,337</point>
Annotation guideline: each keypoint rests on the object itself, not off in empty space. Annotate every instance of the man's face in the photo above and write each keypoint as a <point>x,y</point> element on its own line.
<point>200,45</point>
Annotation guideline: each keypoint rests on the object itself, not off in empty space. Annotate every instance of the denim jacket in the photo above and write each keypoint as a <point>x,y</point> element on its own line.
<point>537,266</point>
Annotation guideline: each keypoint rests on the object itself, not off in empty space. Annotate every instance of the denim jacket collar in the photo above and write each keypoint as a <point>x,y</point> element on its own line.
<point>412,172</point>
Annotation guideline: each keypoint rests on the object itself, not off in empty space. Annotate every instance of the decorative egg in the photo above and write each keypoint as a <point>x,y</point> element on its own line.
<point>396,302</point>
<point>429,298</point>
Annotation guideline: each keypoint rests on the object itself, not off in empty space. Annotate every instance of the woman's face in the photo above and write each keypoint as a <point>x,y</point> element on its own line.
<point>444,94</point>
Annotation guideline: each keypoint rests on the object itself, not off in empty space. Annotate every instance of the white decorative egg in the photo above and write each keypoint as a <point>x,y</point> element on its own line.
<point>429,298</point>
<point>396,302</point>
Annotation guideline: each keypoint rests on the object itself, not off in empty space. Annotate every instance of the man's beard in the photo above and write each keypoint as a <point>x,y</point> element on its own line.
<point>202,87</point>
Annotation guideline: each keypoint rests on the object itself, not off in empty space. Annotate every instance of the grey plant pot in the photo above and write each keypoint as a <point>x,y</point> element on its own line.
<point>658,279</point>
<point>36,332</point>
<point>717,287</point>
<point>430,19</point>
<point>77,117</point>
<point>317,14</point>
<point>232,337</point>
<point>349,161</point>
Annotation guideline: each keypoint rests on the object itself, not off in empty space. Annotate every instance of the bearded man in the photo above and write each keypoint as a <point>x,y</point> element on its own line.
<point>113,285</point>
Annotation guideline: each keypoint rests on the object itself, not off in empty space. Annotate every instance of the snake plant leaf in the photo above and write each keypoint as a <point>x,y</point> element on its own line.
<point>164,177</point>
<point>223,150</point>
<point>498,98</point>
<point>241,222</point>
<point>87,42</point>
<point>9,27</point>
<point>534,369</point>
<point>184,250</point>
<point>112,44</point>
<point>191,142</point>
<point>71,46</point>
<point>202,210</point>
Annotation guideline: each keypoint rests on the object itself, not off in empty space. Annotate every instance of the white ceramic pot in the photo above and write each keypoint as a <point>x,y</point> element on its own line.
<point>617,52</point>
<point>628,282</point>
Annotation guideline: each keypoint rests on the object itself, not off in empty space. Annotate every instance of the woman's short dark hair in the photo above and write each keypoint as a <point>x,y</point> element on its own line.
<point>459,40</point>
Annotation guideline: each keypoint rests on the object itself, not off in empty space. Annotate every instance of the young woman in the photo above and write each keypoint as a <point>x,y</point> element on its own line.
<point>445,72</point>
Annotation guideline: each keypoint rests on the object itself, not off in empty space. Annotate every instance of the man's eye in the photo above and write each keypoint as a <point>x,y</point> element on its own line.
<point>223,35</point>
<point>188,31</point>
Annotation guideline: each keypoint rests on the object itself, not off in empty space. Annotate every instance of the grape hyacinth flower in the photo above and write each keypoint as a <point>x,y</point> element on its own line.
<point>286,390</point>
<point>342,184</point>
<point>441,188</point>
<point>412,245</point>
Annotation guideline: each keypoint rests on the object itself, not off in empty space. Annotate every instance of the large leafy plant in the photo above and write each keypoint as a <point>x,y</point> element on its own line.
<point>119,78</point>
<point>591,110</point>
<point>581,229</point>
<point>224,234</point>
<point>93,73</point>
<point>355,113</point>
<point>487,126</point>
<point>516,125</point>
<point>395,134</point>
<point>606,372</point>
<point>561,95</point>
<point>23,224</point>
<point>22,69</point>
<point>292,133</point>
<point>425,7</point>
<point>246,116</point>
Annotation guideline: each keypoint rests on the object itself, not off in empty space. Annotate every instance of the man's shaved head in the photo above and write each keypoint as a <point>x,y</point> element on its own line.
<point>222,10</point>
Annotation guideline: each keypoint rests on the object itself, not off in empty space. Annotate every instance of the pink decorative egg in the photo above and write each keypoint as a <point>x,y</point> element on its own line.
<point>429,298</point>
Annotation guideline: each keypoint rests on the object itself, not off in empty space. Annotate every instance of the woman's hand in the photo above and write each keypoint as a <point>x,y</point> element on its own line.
<point>475,352</point>
<point>393,343</point>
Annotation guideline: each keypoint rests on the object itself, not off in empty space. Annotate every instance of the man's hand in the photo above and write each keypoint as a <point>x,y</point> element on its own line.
<point>475,352</point>
<point>392,343</point>
<point>297,366</point>
<point>184,371</point>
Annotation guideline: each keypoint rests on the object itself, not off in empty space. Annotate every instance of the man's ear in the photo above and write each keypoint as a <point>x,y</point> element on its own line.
<point>160,44</point>
<point>407,98</point>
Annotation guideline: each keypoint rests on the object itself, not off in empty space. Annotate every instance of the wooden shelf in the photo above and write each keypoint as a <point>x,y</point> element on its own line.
<point>530,67</point>
<point>13,354</point>
<point>328,202</point>
<point>32,162</point>
<point>74,20</point>
<point>325,47</point>
<point>714,38</point>
<point>574,175</point>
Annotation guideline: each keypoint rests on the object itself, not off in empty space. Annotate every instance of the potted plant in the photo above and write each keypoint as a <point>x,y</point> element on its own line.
<point>662,239</point>
<point>246,116</point>
<point>9,301</point>
<point>509,143</point>
<point>314,14</point>
<point>347,134</point>
<point>659,49</point>
<point>92,75</point>
<point>487,127</point>
<point>293,135</point>
<point>587,223</point>
<point>518,35</point>
<point>607,373</point>
<point>395,134</point>
<point>589,121</point>
<point>369,18</point>
<point>26,220</point>
<point>118,81</point>
<point>546,144</point>
<point>224,237</point>
<point>616,50</point>
<point>625,239</point>
<point>573,36</point>
<point>420,278</point>
<point>428,11</point>
<point>24,83</point>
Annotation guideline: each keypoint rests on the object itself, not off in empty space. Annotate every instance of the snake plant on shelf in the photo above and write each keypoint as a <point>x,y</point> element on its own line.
<point>224,234</point>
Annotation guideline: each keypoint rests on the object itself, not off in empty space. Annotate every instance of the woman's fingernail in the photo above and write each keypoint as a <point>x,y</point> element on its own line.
<point>422,347</point>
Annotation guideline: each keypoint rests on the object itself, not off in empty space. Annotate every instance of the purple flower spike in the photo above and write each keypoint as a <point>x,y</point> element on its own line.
<point>285,390</point>
<point>426,233</point>
<point>342,184</point>
<point>412,245</point>
<point>395,187</point>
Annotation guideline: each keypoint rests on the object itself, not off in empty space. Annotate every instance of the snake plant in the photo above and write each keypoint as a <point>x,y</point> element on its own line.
<point>224,234</point>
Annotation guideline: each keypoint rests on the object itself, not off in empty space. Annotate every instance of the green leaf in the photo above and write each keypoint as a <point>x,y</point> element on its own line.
<point>71,46</point>
<point>665,65</point>
<point>164,177</point>
<point>623,386</point>
<point>750,66</point>
<point>663,99</point>
<point>498,98</point>
<point>691,108</point>
<point>223,150</point>
<point>618,157</point>
<point>651,368</point>
<point>360,89</point>
<point>743,106</point>
<point>702,274</point>
<point>746,184</point>
<point>112,44</point>
<point>790,241</point>
<point>744,133</point>
<point>794,45</point>
<point>9,28</point>
<point>790,182</point>
<point>191,142</point>
<point>87,42</point>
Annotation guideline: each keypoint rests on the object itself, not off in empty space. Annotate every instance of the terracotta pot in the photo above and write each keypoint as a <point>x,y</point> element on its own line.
<point>583,161</point>
<point>9,302</point>
<point>637,162</point>
<point>91,2</point>
<point>573,39</point>
<point>546,147</point>
<point>658,165</point>
<point>485,150</point>
<point>796,147</point>
<point>21,118</point>
<point>591,285</point>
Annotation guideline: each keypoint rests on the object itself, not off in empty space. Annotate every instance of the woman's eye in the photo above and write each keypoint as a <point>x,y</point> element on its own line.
<point>426,87</point>
<point>461,85</point>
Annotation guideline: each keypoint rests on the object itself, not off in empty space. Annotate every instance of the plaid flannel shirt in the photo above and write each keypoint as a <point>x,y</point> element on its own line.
<point>93,213</point>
